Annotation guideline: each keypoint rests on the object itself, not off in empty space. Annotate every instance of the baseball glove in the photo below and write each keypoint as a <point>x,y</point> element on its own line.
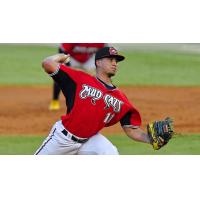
<point>160,132</point>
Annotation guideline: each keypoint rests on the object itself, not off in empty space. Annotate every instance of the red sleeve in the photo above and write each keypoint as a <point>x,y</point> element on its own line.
<point>131,119</point>
<point>75,75</point>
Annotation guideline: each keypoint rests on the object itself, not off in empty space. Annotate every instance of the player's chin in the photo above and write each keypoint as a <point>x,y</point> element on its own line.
<point>111,74</point>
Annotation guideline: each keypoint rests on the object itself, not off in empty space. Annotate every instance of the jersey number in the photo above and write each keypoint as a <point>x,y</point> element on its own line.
<point>108,118</point>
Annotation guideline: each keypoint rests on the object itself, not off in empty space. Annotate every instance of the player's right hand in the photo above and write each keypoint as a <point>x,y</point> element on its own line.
<point>67,60</point>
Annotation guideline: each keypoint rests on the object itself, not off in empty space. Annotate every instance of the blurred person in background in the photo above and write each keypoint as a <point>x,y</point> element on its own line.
<point>81,56</point>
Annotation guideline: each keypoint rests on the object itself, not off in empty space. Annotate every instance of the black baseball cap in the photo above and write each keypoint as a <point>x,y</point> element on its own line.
<point>108,52</point>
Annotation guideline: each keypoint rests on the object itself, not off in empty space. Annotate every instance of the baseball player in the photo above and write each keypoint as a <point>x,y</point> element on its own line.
<point>93,102</point>
<point>81,56</point>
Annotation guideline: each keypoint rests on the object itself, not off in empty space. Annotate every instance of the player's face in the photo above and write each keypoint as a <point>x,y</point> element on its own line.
<point>109,66</point>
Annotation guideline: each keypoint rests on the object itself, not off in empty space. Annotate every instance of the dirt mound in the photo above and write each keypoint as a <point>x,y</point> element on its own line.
<point>24,110</point>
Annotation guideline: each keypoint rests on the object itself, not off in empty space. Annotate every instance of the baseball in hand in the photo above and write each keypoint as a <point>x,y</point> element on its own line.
<point>67,59</point>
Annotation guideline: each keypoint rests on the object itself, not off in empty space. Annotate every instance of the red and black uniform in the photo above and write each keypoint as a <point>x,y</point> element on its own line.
<point>81,52</point>
<point>91,104</point>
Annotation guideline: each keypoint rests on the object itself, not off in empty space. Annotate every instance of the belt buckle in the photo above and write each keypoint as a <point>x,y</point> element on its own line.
<point>74,138</point>
<point>79,140</point>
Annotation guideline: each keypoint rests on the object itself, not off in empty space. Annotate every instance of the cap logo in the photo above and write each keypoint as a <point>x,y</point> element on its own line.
<point>112,51</point>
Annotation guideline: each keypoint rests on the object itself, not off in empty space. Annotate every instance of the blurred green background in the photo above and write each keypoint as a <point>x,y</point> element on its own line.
<point>146,64</point>
<point>179,145</point>
<point>21,65</point>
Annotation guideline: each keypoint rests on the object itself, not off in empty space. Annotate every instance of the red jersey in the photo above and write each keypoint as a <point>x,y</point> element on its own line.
<point>81,51</point>
<point>91,105</point>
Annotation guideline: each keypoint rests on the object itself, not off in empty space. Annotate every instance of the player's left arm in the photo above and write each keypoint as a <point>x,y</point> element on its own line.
<point>130,123</point>
<point>158,132</point>
<point>137,134</point>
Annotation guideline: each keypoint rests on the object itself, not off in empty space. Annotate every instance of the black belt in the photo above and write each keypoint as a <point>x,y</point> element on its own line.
<point>74,138</point>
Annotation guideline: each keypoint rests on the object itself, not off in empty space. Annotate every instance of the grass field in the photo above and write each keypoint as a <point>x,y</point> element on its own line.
<point>180,145</point>
<point>160,68</point>
<point>21,65</point>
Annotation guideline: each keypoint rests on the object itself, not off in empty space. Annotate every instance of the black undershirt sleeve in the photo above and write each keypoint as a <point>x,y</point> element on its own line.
<point>126,119</point>
<point>68,87</point>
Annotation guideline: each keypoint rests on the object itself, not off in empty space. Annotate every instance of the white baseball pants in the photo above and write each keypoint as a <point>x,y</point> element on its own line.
<point>88,65</point>
<point>59,144</point>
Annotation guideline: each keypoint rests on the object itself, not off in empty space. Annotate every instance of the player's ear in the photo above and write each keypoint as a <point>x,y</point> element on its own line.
<point>98,62</point>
